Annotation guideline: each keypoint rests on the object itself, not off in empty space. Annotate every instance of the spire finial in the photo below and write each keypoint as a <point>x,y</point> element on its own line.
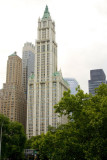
<point>46,13</point>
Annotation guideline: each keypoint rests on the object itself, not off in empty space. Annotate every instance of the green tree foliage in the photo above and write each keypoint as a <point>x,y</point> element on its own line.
<point>58,145</point>
<point>13,139</point>
<point>89,118</point>
<point>4,122</point>
<point>84,137</point>
<point>30,141</point>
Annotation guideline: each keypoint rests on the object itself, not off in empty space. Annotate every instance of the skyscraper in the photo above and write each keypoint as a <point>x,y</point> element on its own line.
<point>13,103</point>
<point>46,87</point>
<point>28,59</point>
<point>97,77</point>
<point>73,85</point>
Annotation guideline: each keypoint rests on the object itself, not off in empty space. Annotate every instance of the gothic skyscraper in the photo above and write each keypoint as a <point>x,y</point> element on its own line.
<point>46,87</point>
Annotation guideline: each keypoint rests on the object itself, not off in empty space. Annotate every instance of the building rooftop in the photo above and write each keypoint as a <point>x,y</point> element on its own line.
<point>97,74</point>
<point>46,13</point>
<point>56,73</point>
<point>14,54</point>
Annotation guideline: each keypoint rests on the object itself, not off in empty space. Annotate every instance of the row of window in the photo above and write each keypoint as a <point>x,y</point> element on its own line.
<point>43,48</point>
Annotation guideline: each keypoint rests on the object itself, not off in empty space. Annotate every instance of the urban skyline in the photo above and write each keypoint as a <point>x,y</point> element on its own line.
<point>85,34</point>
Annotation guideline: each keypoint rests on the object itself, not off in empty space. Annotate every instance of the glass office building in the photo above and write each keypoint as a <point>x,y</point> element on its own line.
<point>97,77</point>
<point>73,84</point>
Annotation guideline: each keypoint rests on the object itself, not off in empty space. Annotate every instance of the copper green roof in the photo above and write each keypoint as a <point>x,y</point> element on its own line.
<point>32,76</point>
<point>56,73</point>
<point>14,54</point>
<point>46,13</point>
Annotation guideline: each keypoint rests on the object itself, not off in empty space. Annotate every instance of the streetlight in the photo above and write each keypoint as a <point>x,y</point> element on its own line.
<point>1,138</point>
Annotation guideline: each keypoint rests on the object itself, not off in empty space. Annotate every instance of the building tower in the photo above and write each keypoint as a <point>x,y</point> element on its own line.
<point>47,84</point>
<point>28,59</point>
<point>13,103</point>
<point>73,85</point>
<point>97,77</point>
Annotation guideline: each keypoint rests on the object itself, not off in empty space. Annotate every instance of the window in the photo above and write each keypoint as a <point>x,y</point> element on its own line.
<point>43,34</point>
<point>48,33</point>
<point>38,49</point>
<point>48,47</point>
<point>44,24</point>
<point>43,48</point>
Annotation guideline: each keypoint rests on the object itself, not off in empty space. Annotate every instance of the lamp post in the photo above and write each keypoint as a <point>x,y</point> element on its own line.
<point>1,138</point>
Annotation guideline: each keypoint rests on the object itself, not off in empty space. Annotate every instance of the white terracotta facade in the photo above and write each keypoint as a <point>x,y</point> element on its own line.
<point>46,86</point>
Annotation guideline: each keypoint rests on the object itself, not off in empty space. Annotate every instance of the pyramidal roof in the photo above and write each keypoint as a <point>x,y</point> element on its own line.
<point>46,13</point>
<point>14,54</point>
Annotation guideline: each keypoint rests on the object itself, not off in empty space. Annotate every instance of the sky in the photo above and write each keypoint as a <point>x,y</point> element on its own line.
<point>81,34</point>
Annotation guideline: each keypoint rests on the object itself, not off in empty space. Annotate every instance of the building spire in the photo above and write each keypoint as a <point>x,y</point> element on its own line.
<point>46,13</point>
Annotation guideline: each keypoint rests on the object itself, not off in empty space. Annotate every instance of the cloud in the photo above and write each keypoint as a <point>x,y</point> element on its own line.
<point>81,33</point>
<point>101,6</point>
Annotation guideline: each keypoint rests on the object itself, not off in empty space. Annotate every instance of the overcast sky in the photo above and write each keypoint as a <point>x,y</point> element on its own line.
<point>81,33</point>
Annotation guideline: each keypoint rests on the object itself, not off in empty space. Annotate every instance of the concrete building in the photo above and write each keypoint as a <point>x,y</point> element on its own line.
<point>97,77</point>
<point>73,84</point>
<point>28,59</point>
<point>46,87</point>
<point>13,102</point>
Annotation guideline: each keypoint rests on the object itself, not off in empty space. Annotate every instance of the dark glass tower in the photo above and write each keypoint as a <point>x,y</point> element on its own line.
<point>97,77</point>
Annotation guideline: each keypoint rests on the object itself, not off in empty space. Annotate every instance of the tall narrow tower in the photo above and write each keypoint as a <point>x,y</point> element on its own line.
<point>28,59</point>
<point>13,103</point>
<point>47,84</point>
<point>14,72</point>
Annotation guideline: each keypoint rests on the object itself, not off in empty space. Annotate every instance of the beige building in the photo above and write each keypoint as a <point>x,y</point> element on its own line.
<point>12,97</point>
<point>46,87</point>
<point>1,97</point>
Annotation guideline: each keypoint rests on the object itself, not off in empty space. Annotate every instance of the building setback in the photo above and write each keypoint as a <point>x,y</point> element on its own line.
<point>97,77</point>
<point>46,87</point>
<point>28,59</point>
<point>73,85</point>
<point>13,102</point>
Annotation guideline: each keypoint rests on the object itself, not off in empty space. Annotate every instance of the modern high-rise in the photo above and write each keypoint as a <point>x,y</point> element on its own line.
<point>97,77</point>
<point>13,101</point>
<point>28,59</point>
<point>73,85</point>
<point>46,87</point>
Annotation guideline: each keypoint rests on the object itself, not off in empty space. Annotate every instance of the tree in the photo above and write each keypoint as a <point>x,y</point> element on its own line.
<point>30,141</point>
<point>59,145</point>
<point>89,117</point>
<point>17,140</point>
<point>4,122</point>
<point>13,139</point>
<point>84,136</point>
